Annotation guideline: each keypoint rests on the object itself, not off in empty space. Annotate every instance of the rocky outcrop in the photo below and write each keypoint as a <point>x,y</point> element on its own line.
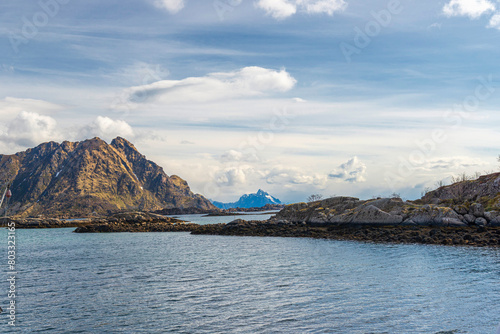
<point>386,211</point>
<point>81,178</point>
<point>485,190</point>
<point>135,222</point>
<point>465,236</point>
<point>26,223</point>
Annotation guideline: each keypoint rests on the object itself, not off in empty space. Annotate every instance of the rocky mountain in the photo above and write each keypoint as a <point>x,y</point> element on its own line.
<point>74,179</point>
<point>257,200</point>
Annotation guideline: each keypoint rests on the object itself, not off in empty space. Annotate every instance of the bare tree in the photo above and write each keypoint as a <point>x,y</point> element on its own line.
<point>439,184</point>
<point>314,197</point>
<point>461,178</point>
<point>396,195</point>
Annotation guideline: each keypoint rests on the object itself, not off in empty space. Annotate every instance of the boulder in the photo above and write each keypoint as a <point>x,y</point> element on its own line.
<point>453,222</point>
<point>372,215</point>
<point>492,215</point>
<point>477,210</point>
<point>480,221</point>
<point>430,215</point>
<point>470,219</point>
<point>461,209</point>
<point>386,204</point>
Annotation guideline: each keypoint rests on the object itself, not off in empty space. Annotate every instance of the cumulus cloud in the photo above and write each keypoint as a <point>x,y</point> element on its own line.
<point>246,82</point>
<point>281,9</point>
<point>276,175</point>
<point>107,129</point>
<point>30,129</point>
<point>470,8</point>
<point>232,176</point>
<point>351,171</point>
<point>173,6</point>
<point>285,176</point>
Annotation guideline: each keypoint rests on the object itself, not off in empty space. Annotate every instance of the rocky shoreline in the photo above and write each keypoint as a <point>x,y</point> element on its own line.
<point>479,236</point>
<point>40,223</point>
<point>136,222</point>
<point>454,236</point>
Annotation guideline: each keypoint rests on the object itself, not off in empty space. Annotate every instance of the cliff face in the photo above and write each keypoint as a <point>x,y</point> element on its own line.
<point>76,179</point>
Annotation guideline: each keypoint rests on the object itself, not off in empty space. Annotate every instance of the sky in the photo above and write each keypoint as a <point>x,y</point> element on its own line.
<point>295,97</point>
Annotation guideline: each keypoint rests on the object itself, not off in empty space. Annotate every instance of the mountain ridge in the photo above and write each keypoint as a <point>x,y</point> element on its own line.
<point>91,176</point>
<point>255,200</point>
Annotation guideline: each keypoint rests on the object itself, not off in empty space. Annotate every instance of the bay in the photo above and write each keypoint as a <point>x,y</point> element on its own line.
<point>183,283</point>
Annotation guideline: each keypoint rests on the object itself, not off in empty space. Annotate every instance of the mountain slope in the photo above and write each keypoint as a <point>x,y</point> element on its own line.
<point>484,190</point>
<point>257,200</point>
<point>75,179</point>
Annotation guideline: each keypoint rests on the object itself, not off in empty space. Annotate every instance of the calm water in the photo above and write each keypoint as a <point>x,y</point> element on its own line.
<point>180,283</point>
<point>203,220</point>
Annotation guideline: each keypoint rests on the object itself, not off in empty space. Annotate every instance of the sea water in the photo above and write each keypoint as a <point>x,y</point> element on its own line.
<point>183,283</point>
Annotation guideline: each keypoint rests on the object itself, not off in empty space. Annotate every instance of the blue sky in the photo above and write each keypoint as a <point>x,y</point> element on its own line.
<point>261,95</point>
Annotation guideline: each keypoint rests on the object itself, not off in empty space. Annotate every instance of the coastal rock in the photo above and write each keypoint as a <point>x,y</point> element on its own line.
<point>461,209</point>
<point>470,219</point>
<point>477,210</point>
<point>373,215</point>
<point>455,233</point>
<point>430,215</point>
<point>408,222</point>
<point>492,215</point>
<point>481,222</point>
<point>135,221</point>
<point>486,189</point>
<point>31,223</point>
<point>452,222</point>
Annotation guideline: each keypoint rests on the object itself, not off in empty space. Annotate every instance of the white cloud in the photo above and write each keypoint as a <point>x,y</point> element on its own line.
<point>285,176</point>
<point>10,106</point>
<point>322,6</point>
<point>452,163</point>
<point>470,8</point>
<point>351,171</point>
<point>232,176</point>
<point>173,6</point>
<point>30,129</point>
<point>246,82</point>
<point>234,156</point>
<point>106,129</point>
<point>495,21</point>
<point>281,9</point>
